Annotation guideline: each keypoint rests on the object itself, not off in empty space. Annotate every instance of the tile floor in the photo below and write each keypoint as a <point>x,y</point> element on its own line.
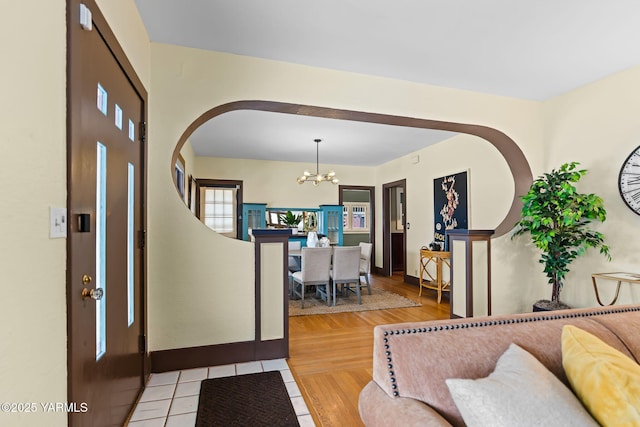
<point>171,398</point>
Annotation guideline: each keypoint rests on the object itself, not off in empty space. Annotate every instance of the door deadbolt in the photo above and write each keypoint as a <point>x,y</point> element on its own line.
<point>95,294</point>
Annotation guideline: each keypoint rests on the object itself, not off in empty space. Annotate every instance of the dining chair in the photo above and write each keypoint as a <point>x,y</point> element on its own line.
<point>366,250</point>
<point>316,263</point>
<point>294,261</point>
<point>346,270</point>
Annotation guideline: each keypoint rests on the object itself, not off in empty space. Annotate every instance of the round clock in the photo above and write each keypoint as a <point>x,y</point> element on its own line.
<point>629,181</point>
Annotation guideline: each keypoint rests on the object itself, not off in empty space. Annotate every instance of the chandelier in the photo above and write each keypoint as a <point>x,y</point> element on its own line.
<point>317,177</point>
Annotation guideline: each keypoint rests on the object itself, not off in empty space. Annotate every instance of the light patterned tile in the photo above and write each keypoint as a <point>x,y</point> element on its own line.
<point>299,406</point>
<point>148,410</point>
<point>306,421</point>
<point>274,365</point>
<point>287,376</point>
<point>193,375</point>
<point>188,389</point>
<point>163,378</point>
<point>184,405</point>
<point>292,389</point>
<point>155,422</point>
<point>248,368</point>
<point>222,371</point>
<point>159,392</point>
<point>182,420</point>
<point>157,409</point>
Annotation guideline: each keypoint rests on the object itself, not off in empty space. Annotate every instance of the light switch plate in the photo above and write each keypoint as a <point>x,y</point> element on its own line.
<point>58,223</point>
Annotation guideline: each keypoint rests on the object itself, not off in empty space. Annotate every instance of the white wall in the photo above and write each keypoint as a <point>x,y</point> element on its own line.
<point>597,125</point>
<point>126,24</point>
<point>32,178</point>
<point>490,194</point>
<point>275,183</point>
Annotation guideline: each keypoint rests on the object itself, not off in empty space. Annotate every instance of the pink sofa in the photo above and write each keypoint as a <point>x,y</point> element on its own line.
<point>411,361</point>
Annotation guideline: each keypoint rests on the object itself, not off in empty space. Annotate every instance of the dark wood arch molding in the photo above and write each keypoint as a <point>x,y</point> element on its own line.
<point>520,169</point>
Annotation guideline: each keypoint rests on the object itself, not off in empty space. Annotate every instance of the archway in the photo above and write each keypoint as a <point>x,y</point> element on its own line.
<point>518,165</point>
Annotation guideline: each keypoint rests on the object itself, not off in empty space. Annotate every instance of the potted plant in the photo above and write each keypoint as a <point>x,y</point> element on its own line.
<point>558,218</point>
<point>290,220</point>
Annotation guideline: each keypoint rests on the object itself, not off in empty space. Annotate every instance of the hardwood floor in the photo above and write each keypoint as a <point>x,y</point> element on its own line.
<point>331,355</point>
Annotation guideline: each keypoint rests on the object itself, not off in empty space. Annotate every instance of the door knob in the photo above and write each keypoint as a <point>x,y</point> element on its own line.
<point>95,294</point>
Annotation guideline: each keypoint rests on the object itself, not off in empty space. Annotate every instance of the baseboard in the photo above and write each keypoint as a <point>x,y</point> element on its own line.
<point>198,357</point>
<point>412,280</point>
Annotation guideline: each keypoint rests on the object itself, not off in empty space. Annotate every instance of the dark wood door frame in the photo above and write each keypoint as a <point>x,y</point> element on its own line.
<point>372,216</point>
<point>386,229</point>
<point>222,183</point>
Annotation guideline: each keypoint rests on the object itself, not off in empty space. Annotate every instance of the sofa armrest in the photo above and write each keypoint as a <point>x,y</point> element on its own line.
<point>377,408</point>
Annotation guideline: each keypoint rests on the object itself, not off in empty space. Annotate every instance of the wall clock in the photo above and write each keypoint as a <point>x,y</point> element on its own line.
<point>629,181</point>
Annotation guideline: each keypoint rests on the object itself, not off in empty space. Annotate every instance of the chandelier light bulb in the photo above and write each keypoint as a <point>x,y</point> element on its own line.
<point>317,177</point>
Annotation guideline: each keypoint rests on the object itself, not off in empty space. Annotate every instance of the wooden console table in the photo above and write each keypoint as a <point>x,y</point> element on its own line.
<point>619,277</point>
<point>438,258</point>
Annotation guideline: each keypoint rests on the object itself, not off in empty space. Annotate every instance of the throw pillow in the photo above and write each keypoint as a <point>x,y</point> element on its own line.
<point>519,392</point>
<point>606,380</point>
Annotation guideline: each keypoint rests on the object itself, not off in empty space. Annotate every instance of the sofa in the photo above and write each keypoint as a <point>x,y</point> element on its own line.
<point>412,362</point>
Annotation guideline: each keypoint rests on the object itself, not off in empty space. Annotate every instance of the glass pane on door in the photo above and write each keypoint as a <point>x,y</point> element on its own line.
<point>130,245</point>
<point>101,249</point>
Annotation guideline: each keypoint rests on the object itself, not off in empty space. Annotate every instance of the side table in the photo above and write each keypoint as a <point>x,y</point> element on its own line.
<point>438,283</point>
<point>617,276</point>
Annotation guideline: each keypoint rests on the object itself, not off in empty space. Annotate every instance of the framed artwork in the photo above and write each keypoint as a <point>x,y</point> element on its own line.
<point>451,205</point>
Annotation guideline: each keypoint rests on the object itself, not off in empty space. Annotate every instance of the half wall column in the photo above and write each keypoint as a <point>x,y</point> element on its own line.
<point>271,293</point>
<point>470,272</point>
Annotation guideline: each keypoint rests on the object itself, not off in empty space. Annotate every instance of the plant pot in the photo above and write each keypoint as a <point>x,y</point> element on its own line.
<point>546,305</point>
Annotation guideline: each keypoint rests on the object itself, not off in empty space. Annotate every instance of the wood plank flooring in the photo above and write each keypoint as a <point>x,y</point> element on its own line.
<point>331,355</point>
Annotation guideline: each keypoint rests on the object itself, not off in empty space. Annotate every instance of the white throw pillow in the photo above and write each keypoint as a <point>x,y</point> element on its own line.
<point>519,392</point>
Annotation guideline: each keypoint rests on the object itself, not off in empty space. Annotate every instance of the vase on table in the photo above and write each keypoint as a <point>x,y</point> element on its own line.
<point>312,239</point>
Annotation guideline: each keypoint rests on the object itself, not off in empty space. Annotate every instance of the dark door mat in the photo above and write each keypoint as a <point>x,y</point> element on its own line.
<point>246,400</point>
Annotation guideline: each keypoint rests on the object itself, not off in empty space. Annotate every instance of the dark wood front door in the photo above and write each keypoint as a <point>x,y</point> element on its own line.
<point>105,298</point>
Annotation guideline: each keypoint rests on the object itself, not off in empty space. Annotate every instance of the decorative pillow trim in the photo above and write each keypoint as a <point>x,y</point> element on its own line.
<point>538,318</point>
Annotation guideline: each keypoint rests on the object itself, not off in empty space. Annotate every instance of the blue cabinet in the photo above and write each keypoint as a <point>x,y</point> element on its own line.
<point>330,223</point>
<point>254,215</point>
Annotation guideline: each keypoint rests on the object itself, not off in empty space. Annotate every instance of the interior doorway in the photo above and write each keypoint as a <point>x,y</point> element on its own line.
<point>394,246</point>
<point>358,216</point>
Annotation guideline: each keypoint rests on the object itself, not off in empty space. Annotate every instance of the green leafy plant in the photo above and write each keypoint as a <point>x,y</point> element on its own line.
<point>290,220</point>
<point>557,219</point>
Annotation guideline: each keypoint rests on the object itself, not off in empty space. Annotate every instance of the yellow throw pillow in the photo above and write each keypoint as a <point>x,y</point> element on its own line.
<point>606,380</point>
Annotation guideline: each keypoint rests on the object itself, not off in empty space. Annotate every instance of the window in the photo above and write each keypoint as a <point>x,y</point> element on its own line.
<point>355,217</point>
<point>218,205</point>
<point>218,209</point>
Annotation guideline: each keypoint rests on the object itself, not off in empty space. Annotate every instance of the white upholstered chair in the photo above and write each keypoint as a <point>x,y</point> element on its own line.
<point>294,261</point>
<point>316,263</point>
<point>366,250</point>
<point>346,270</point>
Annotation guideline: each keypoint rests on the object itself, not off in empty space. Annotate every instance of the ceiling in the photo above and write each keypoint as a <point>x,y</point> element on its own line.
<point>524,49</point>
